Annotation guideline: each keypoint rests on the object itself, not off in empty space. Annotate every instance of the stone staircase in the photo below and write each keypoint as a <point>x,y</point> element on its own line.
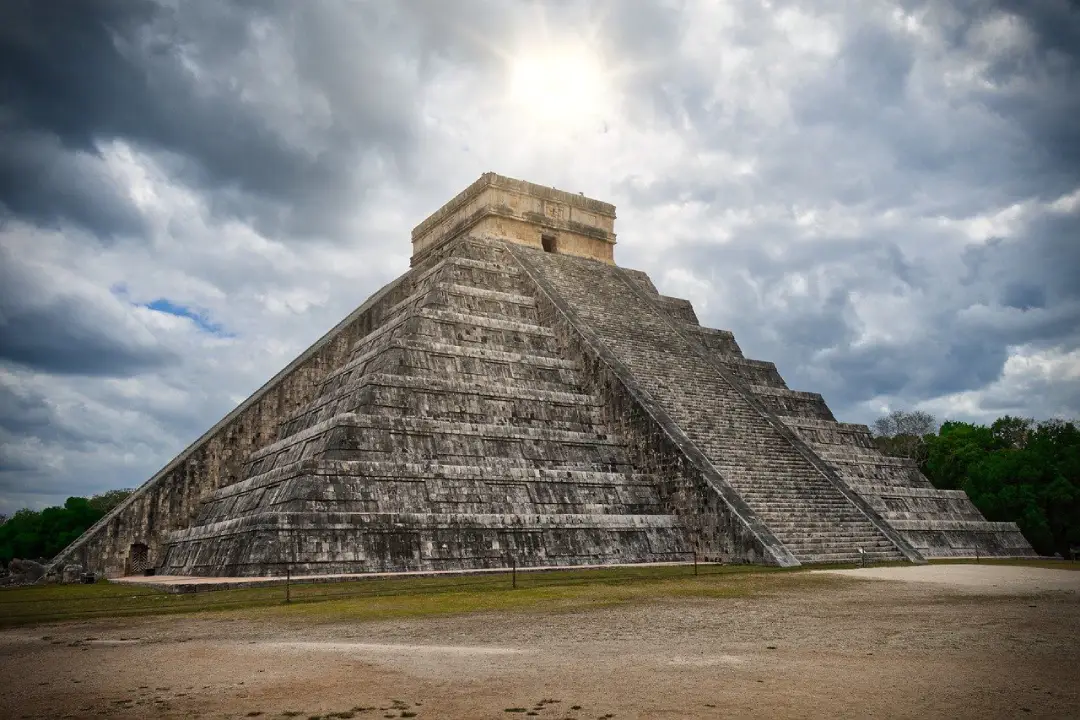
<point>936,523</point>
<point>728,420</point>
<point>456,436</point>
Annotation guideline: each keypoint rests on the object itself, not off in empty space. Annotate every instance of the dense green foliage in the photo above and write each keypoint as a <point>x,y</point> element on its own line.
<point>35,534</point>
<point>1015,470</point>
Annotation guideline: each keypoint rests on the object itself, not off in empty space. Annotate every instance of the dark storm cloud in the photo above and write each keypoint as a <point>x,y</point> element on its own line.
<point>1046,258</point>
<point>175,80</point>
<point>25,413</point>
<point>1040,87</point>
<point>46,184</point>
<point>59,330</point>
<point>1014,292</point>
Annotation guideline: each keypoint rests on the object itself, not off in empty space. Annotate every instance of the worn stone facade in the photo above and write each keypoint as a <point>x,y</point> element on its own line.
<point>501,208</point>
<point>516,396</point>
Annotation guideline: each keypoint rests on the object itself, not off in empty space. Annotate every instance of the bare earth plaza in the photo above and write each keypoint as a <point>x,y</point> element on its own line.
<point>519,481</point>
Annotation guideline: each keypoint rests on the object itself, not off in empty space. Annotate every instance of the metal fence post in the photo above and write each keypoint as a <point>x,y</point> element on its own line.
<point>288,583</point>
<point>513,570</point>
<point>695,563</point>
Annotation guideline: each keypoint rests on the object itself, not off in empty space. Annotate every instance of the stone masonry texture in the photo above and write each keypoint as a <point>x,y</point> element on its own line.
<point>499,403</point>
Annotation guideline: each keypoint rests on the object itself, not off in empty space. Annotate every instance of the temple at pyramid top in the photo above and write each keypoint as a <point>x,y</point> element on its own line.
<point>507,209</point>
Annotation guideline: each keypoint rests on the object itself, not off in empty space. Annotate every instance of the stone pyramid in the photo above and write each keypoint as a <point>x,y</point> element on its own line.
<point>518,397</point>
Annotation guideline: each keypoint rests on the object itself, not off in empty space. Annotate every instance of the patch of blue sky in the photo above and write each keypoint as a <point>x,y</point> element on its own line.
<point>200,318</point>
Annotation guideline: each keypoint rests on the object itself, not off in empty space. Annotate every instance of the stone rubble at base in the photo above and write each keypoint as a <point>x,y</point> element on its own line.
<point>517,396</point>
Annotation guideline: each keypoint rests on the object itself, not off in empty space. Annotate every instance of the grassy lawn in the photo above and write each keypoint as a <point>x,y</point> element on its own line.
<point>384,598</point>
<point>391,597</point>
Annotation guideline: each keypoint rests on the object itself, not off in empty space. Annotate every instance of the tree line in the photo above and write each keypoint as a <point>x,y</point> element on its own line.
<point>41,534</point>
<point>1014,470</point>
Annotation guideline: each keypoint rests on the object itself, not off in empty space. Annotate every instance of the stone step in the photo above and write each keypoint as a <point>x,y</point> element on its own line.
<point>448,272</point>
<point>792,402</point>
<point>450,316</point>
<point>463,329</point>
<point>486,361</point>
<point>419,393</point>
<point>826,524</point>
<point>826,548</point>
<point>721,342</point>
<point>394,497</point>
<point>797,421</point>
<point>347,434</point>
<point>446,275</point>
<point>802,509</point>
<point>460,261</point>
<point>448,295</point>
<point>753,372</point>
<point>828,434</point>
<point>405,522</point>
<point>786,491</point>
<point>969,514</point>
<point>803,536</point>
<point>795,501</point>
<point>345,493</point>
<point>429,427</point>
<point>459,289</point>
<point>941,524</point>
<point>385,545</point>
<point>503,277</point>
<point>927,491</point>
<point>456,318</point>
<point>858,456</point>
<point>513,470</point>
<point>849,558</point>
<point>794,498</point>
<point>494,304</point>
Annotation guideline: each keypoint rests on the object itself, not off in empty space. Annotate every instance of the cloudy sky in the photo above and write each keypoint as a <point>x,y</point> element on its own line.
<point>882,198</point>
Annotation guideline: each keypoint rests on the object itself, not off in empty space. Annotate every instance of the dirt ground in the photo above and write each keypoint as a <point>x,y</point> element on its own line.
<point>1004,645</point>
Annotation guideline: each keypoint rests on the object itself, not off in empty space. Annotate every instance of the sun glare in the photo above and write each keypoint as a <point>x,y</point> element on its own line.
<point>559,85</point>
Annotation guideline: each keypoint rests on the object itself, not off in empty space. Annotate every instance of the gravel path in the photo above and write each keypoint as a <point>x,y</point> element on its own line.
<point>847,648</point>
<point>986,579</point>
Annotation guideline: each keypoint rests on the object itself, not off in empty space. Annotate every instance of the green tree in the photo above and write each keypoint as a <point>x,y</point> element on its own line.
<point>1015,470</point>
<point>109,499</point>
<point>952,452</point>
<point>35,534</point>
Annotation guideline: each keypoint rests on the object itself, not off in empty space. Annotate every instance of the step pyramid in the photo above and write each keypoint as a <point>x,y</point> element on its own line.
<point>455,436</point>
<point>517,397</point>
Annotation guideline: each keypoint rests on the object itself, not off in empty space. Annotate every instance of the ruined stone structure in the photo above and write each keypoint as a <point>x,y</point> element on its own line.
<point>517,395</point>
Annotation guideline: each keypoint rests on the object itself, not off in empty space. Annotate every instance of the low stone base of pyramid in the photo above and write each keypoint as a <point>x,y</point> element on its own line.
<point>270,544</point>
